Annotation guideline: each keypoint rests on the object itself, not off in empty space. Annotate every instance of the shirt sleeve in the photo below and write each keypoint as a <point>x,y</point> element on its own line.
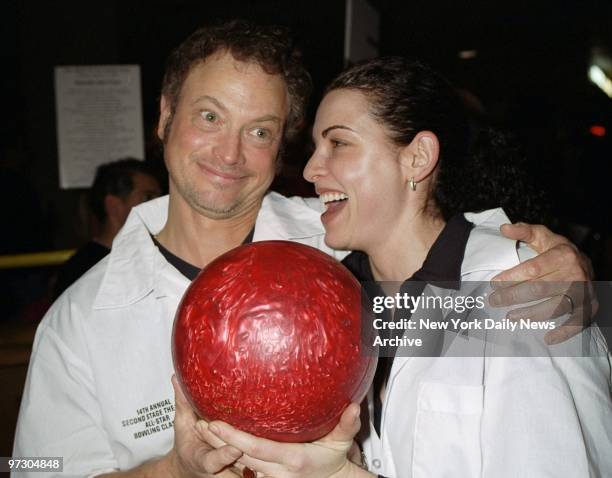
<point>60,415</point>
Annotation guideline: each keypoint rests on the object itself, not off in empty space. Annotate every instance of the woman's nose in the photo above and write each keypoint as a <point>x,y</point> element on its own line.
<point>315,168</point>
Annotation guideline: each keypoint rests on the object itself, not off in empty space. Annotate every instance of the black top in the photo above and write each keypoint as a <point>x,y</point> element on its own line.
<point>442,264</point>
<point>82,260</point>
<point>189,270</point>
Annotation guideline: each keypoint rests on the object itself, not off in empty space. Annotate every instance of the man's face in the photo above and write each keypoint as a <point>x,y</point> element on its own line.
<point>222,144</point>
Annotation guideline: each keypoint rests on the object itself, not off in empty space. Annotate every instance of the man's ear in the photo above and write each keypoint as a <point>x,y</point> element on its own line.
<point>164,117</point>
<point>114,207</point>
<point>420,158</point>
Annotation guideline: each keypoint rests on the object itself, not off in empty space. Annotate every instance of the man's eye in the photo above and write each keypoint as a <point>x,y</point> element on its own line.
<point>261,133</point>
<point>336,143</point>
<point>209,116</point>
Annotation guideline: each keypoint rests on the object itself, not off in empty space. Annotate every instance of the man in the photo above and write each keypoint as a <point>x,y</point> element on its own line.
<point>118,186</point>
<point>98,390</point>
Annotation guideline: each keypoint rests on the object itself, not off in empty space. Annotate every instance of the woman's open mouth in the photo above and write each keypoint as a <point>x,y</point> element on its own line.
<point>333,202</point>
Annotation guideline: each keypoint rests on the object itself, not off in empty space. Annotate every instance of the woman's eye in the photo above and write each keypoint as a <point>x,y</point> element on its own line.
<point>336,143</point>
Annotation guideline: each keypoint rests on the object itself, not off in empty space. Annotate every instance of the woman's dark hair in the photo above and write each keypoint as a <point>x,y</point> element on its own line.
<point>476,171</point>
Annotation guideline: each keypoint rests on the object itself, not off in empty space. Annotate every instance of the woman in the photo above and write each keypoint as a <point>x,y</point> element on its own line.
<point>393,168</point>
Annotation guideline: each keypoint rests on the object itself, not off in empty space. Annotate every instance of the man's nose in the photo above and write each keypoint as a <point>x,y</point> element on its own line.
<point>229,148</point>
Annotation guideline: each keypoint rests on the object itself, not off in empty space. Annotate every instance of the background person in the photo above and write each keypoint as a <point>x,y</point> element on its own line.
<point>117,187</point>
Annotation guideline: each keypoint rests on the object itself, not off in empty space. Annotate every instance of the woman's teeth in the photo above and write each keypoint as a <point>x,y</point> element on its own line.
<point>326,198</point>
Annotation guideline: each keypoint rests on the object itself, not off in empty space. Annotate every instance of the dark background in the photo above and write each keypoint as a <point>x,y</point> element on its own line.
<point>529,75</point>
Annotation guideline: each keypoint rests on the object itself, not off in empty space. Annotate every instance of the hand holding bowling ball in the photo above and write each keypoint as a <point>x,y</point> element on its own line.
<point>268,339</point>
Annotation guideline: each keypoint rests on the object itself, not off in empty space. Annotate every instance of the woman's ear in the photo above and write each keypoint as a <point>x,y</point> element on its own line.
<point>420,158</point>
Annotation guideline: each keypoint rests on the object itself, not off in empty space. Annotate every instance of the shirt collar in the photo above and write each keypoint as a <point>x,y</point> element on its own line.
<point>487,249</point>
<point>282,218</point>
<point>134,262</point>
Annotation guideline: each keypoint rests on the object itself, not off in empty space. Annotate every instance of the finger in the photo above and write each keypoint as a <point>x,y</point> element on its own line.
<point>524,292</point>
<point>261,467</point>
<point>206,435</point>
<point>581,317</point>
<point>560,277</point>
<point>237,469</point>
<point>181,400</point>
<point>559,258</point>
<point>538,237</point>
<point>267,468</point>
<point>255,447</point>
<point>524,271</point>
<point>571,327</point>
<point>546,310</point>
<point>183,413</point>
<point>587,265</point>
<point>213,461</point>
<point>518,231</point>
<point>347,427</point>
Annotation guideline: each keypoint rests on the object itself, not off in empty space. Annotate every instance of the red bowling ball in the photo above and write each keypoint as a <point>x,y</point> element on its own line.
<point>268,339</point>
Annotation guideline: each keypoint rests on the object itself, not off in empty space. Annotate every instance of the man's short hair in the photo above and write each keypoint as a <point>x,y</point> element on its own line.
<point>115,178</point>
<point>270,47</point>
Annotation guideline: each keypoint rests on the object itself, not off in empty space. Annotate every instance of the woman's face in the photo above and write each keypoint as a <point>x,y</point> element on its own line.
<point>356,172</point>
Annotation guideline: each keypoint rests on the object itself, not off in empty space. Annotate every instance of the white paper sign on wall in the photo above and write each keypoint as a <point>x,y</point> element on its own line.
<point>99,119</point>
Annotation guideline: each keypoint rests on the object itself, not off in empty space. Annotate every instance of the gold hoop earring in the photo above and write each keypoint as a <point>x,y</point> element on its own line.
<point>413,184</point>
